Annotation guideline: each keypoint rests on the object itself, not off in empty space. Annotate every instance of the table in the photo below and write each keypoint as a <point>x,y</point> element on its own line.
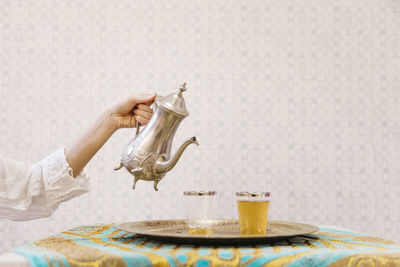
<point>105,245</point>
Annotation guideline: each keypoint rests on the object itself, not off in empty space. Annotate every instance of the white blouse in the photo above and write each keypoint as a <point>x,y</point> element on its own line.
<point>31,192</point>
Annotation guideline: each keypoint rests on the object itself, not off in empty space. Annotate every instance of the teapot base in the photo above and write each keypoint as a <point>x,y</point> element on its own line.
<point>154,185</point>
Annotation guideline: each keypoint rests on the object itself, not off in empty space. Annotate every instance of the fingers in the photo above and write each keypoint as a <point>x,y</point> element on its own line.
<point>142,113</point>
<point>142,98</point>
<point>133,108</point>
<point>141,120</point>
<point>130,121</point>
<point>126,121</point>
<point>144,107</point>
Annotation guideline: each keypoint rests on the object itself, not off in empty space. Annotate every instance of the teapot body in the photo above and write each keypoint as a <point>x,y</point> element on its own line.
<point>148,156</point>
<point>150,145</point>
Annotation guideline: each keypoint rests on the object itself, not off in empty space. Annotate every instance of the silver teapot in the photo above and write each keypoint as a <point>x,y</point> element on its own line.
<point>148,156</point>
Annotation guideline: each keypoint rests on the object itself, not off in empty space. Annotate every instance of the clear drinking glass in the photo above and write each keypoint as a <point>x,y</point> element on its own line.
<point>253,212</point>
<point>200,210</point>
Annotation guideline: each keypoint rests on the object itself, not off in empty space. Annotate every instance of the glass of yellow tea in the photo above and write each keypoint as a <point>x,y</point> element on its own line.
<point>200,208</point>
<point>253,212</point>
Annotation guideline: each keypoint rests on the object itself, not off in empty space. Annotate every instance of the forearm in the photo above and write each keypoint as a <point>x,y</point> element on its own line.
<point>80,152</point>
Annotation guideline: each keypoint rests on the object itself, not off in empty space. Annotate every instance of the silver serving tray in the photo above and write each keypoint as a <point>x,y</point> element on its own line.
<point>224,232</point>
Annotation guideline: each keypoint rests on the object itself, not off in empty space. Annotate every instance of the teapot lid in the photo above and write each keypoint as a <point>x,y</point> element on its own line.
<point>174,102</point>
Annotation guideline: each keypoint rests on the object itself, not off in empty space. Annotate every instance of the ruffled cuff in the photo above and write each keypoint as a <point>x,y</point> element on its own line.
<point>59,183</point>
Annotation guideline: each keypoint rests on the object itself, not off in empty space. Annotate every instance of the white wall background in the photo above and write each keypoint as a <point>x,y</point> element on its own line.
<point>298,97</point>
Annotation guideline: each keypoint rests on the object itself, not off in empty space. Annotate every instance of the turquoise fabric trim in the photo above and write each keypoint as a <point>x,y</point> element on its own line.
<point>36,257</point>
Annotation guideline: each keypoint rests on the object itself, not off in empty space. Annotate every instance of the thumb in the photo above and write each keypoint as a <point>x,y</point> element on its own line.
<point>142,98</point>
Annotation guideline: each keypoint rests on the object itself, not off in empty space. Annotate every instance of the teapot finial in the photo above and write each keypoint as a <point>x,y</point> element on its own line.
<point>182,89</point>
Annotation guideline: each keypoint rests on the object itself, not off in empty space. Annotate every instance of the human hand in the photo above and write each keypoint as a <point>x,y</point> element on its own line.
<point>122,115</point>
<point>132,109</point>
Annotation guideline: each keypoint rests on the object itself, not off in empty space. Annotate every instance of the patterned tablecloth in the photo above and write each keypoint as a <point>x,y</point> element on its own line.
<point>104,245</point>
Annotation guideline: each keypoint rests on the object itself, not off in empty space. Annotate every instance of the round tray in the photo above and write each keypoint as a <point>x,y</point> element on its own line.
<point>224,232</point>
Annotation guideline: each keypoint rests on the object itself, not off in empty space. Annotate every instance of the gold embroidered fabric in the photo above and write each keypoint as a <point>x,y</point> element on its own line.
<point>105,245</point>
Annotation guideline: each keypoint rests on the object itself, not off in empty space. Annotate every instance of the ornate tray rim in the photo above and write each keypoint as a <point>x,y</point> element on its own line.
<point>217,238</point>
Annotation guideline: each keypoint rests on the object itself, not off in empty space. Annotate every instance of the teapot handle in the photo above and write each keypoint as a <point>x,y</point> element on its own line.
<point>137,127</point>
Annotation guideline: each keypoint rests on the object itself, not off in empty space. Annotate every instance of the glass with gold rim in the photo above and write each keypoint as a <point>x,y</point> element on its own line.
<point>200,209</point>
<point>253,212</point>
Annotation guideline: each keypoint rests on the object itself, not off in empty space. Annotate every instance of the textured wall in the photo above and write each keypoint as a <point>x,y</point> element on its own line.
<point>298,97</point>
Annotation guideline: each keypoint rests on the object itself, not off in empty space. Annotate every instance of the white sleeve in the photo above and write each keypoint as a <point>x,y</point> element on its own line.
<point>30,192</point>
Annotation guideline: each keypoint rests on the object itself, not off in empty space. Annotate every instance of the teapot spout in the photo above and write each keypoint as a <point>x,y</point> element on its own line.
<point>163,167</point>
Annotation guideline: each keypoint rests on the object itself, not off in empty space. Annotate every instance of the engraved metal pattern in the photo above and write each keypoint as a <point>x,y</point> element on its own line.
<point>224,231</point>
<point>142,167</point>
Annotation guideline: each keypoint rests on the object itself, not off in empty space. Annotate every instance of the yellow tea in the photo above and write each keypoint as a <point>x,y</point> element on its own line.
<point>200,231</point>
<point>253,217</point>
